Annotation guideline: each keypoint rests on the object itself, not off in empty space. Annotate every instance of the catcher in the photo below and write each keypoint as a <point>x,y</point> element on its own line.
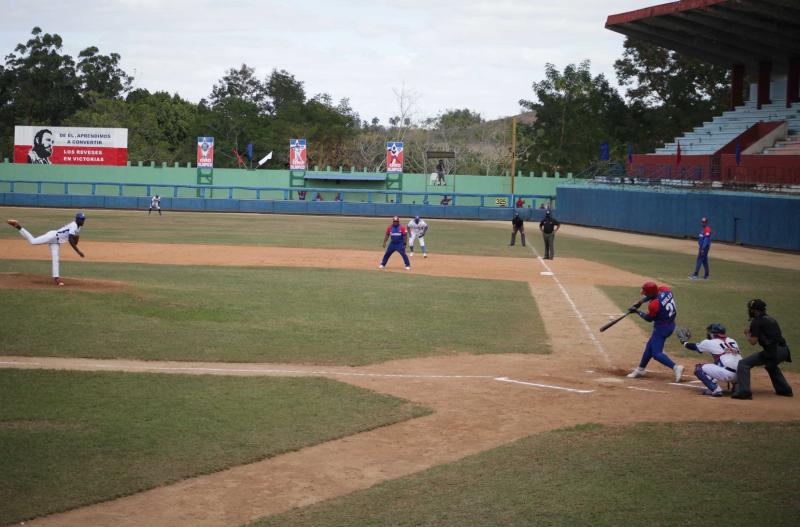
<point>725,352</point>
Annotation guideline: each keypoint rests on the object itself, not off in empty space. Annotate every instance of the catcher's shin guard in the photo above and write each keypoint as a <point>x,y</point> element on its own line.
<point>704,378</point>
<point>522,235</point>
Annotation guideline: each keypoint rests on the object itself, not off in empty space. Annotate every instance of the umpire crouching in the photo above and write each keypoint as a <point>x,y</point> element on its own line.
<point>765,331</point>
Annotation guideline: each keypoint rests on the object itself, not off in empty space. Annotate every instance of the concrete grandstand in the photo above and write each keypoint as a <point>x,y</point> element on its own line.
<point>757,142</point>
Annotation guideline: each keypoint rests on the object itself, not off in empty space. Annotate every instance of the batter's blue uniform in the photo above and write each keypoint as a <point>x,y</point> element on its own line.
<point>661,311</point>
<point>397,242</point>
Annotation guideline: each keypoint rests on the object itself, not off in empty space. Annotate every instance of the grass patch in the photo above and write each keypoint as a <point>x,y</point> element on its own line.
<point>276,230</point>
<point>648,474</point>
<point>323,316</point>
<point>75,438</point>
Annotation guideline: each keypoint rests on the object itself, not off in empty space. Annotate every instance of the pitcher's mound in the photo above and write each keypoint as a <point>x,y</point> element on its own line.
<point>33,281</point>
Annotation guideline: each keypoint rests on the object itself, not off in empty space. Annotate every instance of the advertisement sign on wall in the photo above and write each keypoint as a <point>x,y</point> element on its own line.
<point>205,152</point>
<point>298,158</point>
<point>58,145</point>
<point>394,156</point>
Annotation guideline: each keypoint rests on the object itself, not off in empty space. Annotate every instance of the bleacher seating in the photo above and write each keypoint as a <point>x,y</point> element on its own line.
<point>787,147</point>
<point>711,136</point>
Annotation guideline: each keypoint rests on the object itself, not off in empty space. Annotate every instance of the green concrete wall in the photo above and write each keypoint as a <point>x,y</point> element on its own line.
<point>159,175</point>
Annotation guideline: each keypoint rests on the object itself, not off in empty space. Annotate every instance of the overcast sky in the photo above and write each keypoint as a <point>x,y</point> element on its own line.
<point>447,54</point>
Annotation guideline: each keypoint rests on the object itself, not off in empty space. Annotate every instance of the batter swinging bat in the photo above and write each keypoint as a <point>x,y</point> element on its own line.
<point>611,323</point>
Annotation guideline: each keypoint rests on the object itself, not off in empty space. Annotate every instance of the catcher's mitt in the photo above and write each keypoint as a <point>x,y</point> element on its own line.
<point>683,334</point>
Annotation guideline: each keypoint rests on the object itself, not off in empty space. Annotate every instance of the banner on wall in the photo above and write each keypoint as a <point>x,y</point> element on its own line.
<point>394,156</point>
<point>298,158</point>
<point>59,145</point>
<point>205,152</point>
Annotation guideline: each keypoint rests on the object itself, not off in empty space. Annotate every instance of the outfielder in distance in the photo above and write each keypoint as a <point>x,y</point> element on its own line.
<point>661,311</point>
<point>417,229</point>
<point>67,233</point>
<point>725,352</point>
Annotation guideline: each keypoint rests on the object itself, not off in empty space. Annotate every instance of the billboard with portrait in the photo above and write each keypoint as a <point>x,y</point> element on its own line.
<point>205,152</point>
<point>298,158</point>
<point>59,145</point>
<point>394,157</point>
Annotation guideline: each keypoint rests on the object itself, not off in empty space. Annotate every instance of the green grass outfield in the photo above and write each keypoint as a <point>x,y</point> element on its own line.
<point>276,230</point>
<point>73,438</point>
<point>321,316</point>
<point>650,475</point>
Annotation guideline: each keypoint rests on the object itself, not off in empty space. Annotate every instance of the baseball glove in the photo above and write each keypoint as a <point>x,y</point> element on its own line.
<point>683,334</point>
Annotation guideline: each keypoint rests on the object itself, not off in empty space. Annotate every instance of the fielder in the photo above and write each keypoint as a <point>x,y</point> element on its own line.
<point>661,311</point>
<point>397,233</point>
<point>67,233</point>
<point>417,229</point>
<point>725,352</point>
<point>155,203</point>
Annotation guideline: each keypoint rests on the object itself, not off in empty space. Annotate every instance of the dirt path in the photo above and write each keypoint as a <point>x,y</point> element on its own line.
<point>735,253</point>
<point>479,402</point>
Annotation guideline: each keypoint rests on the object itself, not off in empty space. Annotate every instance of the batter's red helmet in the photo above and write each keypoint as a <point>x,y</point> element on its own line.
<point>650,289</point>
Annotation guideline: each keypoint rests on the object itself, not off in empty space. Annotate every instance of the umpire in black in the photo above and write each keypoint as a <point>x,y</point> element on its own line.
<point>517,226</point>
<point>549,226</point>
<point>765,331</point>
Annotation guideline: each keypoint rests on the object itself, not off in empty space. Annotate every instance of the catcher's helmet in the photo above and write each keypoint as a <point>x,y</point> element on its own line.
<point>650,289</point>
<point>396,218</point>
<point>704,220</point>
<point>716,329</point>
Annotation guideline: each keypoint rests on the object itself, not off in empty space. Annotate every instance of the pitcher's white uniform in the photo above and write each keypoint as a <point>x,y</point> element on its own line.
<point>417,229</point>
<point>54,239</point>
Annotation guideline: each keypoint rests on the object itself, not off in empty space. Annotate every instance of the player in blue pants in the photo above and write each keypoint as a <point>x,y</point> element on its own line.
<point>398,235</point>
<point>661,311</point>
<point>703,246</point>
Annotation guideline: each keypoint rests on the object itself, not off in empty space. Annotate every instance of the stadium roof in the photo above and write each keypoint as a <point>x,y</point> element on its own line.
<point>722,32</point>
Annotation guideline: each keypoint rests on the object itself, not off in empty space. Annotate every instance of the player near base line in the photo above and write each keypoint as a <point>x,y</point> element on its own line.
<point>417,229</point>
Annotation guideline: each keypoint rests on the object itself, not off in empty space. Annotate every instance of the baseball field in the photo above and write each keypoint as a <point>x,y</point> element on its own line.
<point>231,369</point>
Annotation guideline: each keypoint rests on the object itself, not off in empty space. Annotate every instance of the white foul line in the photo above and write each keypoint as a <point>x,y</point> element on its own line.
<point>574,308</point>
<point>298,372</point>
<point>574,390</point>
<point>645,389</point>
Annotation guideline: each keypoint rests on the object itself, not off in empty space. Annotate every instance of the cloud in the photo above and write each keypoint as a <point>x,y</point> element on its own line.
<point>454,54</point>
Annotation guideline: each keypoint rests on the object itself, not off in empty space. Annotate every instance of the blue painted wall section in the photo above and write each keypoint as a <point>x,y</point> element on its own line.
<point>752,219</point>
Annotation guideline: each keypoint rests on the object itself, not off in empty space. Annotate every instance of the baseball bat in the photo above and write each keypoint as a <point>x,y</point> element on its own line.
<point>611,323</point>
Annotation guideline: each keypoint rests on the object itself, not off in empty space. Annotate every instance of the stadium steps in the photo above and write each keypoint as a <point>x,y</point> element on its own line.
<point>722,129</point>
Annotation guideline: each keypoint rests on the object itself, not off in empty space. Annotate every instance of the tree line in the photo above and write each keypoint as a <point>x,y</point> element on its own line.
<point>571,112</point>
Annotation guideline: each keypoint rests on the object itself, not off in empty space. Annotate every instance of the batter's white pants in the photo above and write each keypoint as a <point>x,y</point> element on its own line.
<point>718,373</point>
<point>50,238</point>
<point>411,243</point>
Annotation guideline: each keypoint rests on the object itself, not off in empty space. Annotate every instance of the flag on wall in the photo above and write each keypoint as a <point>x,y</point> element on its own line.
<point>678,156</point>
<point>250,151</point>
<point>738,153</point>
<point>265,159</point>
<point>238,157</point>
<point>630,153</point>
